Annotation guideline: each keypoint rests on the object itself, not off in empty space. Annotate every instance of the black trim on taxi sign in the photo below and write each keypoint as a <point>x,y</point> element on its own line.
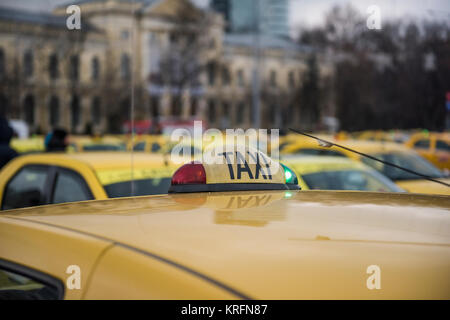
<point>224,187</point>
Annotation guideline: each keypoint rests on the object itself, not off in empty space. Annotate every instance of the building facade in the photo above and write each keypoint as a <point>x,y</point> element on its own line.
<point>46,76</point>
<point>167,58</point>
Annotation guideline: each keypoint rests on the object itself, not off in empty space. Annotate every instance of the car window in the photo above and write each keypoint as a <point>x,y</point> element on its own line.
<point>156,147</point>
<point>144,187</point>
<point>70,187</point>
<point>17,286</point>
<point>442,146</point>
<point>104,147</point>
<point>406,160</point>
<point>349,180</point>
<point>26,188</point>
<point>423,144</point>
<point>318,152</point>
<point>139,146</point>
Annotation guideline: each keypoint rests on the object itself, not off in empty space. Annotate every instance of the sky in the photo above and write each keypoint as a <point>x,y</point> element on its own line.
<point>305,13</point>
<point>310,12</point>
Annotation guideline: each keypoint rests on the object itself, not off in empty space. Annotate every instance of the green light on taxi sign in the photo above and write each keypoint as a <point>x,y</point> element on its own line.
<point>288,175</point>
<point>291,177</point>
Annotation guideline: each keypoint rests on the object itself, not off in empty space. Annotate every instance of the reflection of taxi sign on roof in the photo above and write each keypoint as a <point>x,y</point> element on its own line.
<point>240,170</point>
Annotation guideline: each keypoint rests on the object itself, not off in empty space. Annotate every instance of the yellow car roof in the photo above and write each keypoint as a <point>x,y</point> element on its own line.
<point>30,144</point>
<point>103,160</point>
<point>358,145</point>
<point>442,135</point>
<point>428,135</point>
<point>280,244</point>
<point>374,146</point>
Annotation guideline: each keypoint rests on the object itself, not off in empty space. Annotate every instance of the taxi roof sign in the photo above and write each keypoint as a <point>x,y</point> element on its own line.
<point>240,171</point>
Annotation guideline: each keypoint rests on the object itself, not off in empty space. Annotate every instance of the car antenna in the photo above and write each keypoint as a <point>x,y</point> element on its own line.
<point>328,144</point>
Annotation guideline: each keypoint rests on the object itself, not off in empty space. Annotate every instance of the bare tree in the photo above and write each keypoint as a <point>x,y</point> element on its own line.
<point>394,78</point>
<point>192,50</point>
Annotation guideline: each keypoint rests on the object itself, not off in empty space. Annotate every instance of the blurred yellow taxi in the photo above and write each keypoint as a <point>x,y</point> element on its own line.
<point>435,147</point>
<point>96,144</point>
<point>49,178</point>
<point>310,147</point>
<point>172,151</point>
<point>148,143</point>
<point>29,145</point>
<point>398,136</point>
<point>231,231</point>
<point>289,141</point>
<point>337,173</point>
<point>389,152</point>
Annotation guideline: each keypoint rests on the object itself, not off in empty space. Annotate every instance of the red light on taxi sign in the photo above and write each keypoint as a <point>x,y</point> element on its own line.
<point>191,173</point>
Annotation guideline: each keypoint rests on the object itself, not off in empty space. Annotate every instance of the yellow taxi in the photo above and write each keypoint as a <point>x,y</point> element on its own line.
<point>236,230</point>
<point>29,145</point>
<point>286,142</point>
<point>398,136</point>
<point>96,144</point>
<point>148,143</point>
<point>337,173</point>
<point>50,178</point>
<point>386,151</point>
<point>172,151</point>
<point>435,147</point>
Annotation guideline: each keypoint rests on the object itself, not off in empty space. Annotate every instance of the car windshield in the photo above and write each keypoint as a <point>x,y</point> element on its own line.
<point>406,160</point>
<point>350,180</point>
<point>442,146</point>
<point>144,187</point>
<point>104,147</point>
